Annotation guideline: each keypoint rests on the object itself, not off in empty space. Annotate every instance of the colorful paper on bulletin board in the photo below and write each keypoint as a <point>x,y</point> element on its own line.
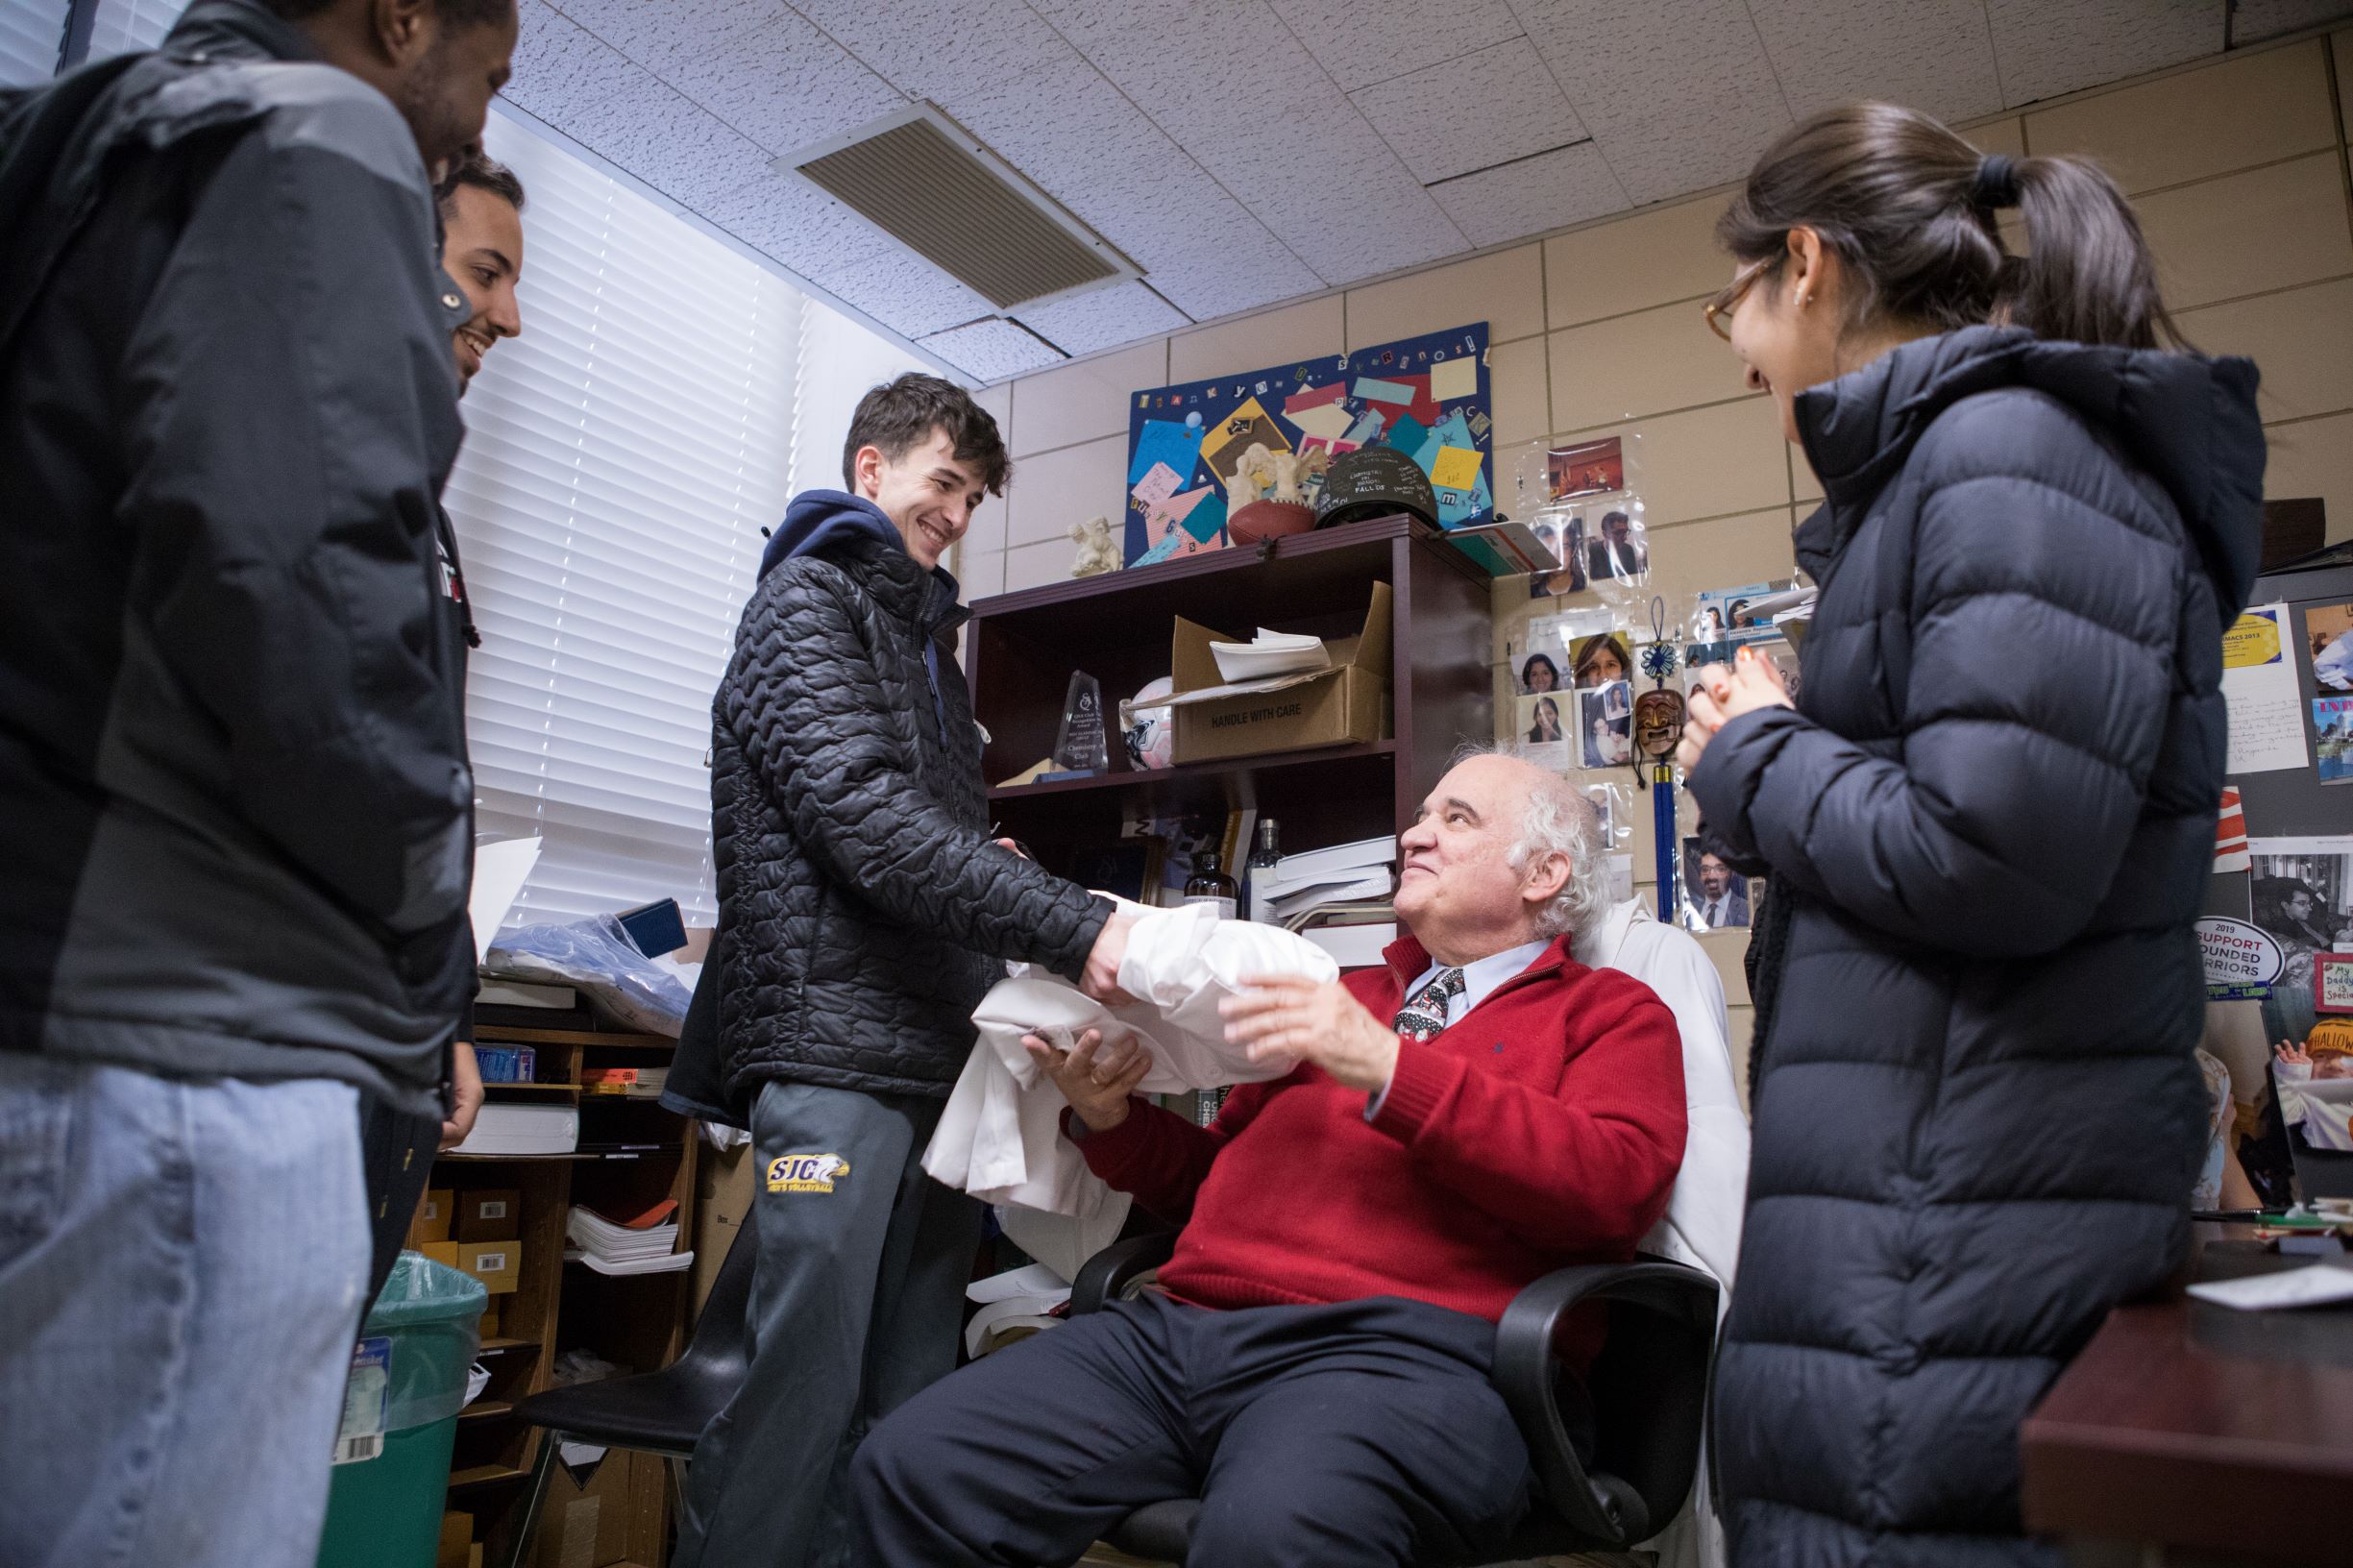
<point>1429,397</point>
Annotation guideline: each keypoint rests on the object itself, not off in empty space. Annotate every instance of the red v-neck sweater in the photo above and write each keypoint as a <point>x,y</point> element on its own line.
<point>1543,1128</point>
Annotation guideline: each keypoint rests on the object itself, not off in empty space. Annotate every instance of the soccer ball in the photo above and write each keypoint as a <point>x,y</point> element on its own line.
<point>1151,740</point>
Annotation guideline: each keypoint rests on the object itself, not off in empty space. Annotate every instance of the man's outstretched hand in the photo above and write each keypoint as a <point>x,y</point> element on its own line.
<point>1097,1083</point>
<point>1293,1016</point>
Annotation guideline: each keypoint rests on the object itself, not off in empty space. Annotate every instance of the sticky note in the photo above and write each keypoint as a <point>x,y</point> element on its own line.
<point>1156,486</point>
<point>1174,509</point>
<point>1399,393</point>
<point>1456,469</point>
<point>1205,520</point>
<point>1405,435</point>
<point>1312,397</point>
<point>1327,422</point>
<point>1165,441</point>
<point>1451,379</point>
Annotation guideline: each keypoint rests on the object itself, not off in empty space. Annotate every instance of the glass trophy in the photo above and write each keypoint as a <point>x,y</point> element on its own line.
<point>1079,747</point>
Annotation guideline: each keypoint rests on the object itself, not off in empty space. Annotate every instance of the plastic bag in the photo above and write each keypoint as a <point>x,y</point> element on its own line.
<point>433,1314</point>
<point>596,957</point>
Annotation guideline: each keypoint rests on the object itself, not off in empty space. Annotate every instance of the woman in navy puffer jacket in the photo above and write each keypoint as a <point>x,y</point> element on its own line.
<point>1989,823</point>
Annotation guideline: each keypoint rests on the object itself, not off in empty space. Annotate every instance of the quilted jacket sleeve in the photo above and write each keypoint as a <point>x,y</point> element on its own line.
<point>2041,600</point>
<point>810,709</point>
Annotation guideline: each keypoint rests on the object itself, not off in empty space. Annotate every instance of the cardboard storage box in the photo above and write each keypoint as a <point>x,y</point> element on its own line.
<point>432,1219</point>
<point>441,1252</point>
<point>490,1214</point>
<point>493,1262</point>
<point>456,1540</point>
<point>1344,705</point>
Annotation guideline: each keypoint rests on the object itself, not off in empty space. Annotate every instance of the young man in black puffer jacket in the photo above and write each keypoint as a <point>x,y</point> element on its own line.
<point>864,912</point>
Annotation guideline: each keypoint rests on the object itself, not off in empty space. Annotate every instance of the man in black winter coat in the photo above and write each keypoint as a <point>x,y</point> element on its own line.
<point>864,911</point>
<point>234,806</point>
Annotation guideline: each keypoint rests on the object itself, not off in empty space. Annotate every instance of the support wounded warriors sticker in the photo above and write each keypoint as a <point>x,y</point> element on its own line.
<point>806,1172</point>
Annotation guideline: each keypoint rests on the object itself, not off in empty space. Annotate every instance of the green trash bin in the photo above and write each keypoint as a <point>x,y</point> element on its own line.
<point>399,1418</point>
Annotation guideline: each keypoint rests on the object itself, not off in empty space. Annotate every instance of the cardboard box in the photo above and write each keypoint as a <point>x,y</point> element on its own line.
<point>496,1263</point>
<point>456,1540</point>
<point>489,1326</point>
<point>725,1186</point>
<point>489,1213</point>
<point>432,1218</point>
<point>588,1526</point>
<point>1344,705</point>
<point>441,1252</point>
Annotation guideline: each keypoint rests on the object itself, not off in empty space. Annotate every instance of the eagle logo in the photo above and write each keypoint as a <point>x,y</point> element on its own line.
<point>806,1172</point>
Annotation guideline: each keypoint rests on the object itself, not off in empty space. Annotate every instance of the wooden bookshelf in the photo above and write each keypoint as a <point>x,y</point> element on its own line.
<point>557,1307</point>
<point>1022,649</point>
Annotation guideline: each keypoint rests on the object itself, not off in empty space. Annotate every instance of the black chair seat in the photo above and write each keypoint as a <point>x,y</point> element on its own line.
<point>659,1412</point>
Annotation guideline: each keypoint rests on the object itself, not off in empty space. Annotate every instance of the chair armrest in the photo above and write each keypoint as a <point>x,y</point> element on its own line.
<point>1111,1271</point>
<point>1680,1304</point>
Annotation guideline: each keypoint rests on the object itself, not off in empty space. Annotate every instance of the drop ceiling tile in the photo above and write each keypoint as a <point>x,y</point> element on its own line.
<point>573,81</point>
<point>1933,55</point>
<point>1302,159</point>
<point>2048,47</point>
<point>796,224</point>
<point>991,351</point>
<point>1102,318</point>
<point>903,291</point>
<point>2253,21</point>
<point>1679,95</point>
<point>756,64</point>
<point>1084,143</point>
<point>937,49</point>
<point>1550,190</point>
<point>1361,44</point>
<point>1475,112</point>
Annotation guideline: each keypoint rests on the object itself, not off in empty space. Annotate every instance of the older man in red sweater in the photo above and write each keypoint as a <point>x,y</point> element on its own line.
<point>1480,1111</point>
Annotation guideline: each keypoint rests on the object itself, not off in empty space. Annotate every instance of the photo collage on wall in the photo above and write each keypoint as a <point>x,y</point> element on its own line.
<point>1427,397</point>
<point>1583,511</point>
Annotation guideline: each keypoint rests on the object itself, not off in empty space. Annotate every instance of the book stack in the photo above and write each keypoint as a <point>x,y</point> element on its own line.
<point>642,1244</point>
<point>1344,873</point>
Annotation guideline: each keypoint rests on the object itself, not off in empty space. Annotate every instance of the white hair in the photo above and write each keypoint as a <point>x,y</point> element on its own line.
<point>1558,819</point>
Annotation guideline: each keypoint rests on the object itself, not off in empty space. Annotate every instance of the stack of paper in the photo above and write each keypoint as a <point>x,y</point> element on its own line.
<point>1012,1307</point>
<point>523,1127</point>
<point>1269,654</point>
<point>1344,874</point>
<point>643,1245</point>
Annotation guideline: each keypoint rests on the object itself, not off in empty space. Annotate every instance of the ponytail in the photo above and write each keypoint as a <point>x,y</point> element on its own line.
<point>1909,208</point>
<point>2087,276</point>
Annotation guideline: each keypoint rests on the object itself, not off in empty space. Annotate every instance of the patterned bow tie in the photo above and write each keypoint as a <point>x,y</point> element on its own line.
<point>1425,1014</point>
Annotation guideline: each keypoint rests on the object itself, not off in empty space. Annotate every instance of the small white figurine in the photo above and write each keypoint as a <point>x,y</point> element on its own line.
<point>1097,553</point>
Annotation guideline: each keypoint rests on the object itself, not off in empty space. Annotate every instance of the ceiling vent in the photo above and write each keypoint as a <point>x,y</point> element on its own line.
<point>925,180</point>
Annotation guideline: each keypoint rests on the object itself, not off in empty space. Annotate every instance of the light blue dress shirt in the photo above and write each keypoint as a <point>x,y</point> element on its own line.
<point>1480,978</point>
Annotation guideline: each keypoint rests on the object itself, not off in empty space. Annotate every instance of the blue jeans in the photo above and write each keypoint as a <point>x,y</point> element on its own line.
<point>181,1269</point>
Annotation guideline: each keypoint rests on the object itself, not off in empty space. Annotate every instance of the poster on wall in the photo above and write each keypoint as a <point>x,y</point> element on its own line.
<point>1428,396</point>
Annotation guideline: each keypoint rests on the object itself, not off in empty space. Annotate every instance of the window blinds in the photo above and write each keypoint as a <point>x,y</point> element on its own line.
<point>123,25</point>
<point>32,34</point>
<point>622,457</point>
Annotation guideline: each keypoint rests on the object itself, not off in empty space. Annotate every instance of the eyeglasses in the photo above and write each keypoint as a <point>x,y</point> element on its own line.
<point>1719,309</point>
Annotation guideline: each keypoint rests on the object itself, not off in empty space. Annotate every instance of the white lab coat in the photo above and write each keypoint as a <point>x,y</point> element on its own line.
<point>1000,1135</point>
<point>1701,1225</point>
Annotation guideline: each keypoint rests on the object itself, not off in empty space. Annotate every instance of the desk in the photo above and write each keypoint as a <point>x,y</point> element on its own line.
<point>2187,1433</point>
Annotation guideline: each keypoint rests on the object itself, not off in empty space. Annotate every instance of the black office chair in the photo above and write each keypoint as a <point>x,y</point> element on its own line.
<point>654,1412</point>
<point>1647,1389</point>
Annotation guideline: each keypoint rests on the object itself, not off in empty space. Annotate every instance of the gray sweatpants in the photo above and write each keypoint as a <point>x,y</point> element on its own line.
<point>856,1304</point>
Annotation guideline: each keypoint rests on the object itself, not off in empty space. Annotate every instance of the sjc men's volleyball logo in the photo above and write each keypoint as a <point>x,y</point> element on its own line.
<point>806,1172</point>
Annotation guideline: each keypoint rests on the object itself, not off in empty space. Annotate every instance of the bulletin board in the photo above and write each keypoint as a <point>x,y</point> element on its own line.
<point>1428,396</point>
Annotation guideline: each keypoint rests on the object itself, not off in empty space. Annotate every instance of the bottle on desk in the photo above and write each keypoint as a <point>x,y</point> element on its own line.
<point>1259,878</point>
<point>1210,885</point>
